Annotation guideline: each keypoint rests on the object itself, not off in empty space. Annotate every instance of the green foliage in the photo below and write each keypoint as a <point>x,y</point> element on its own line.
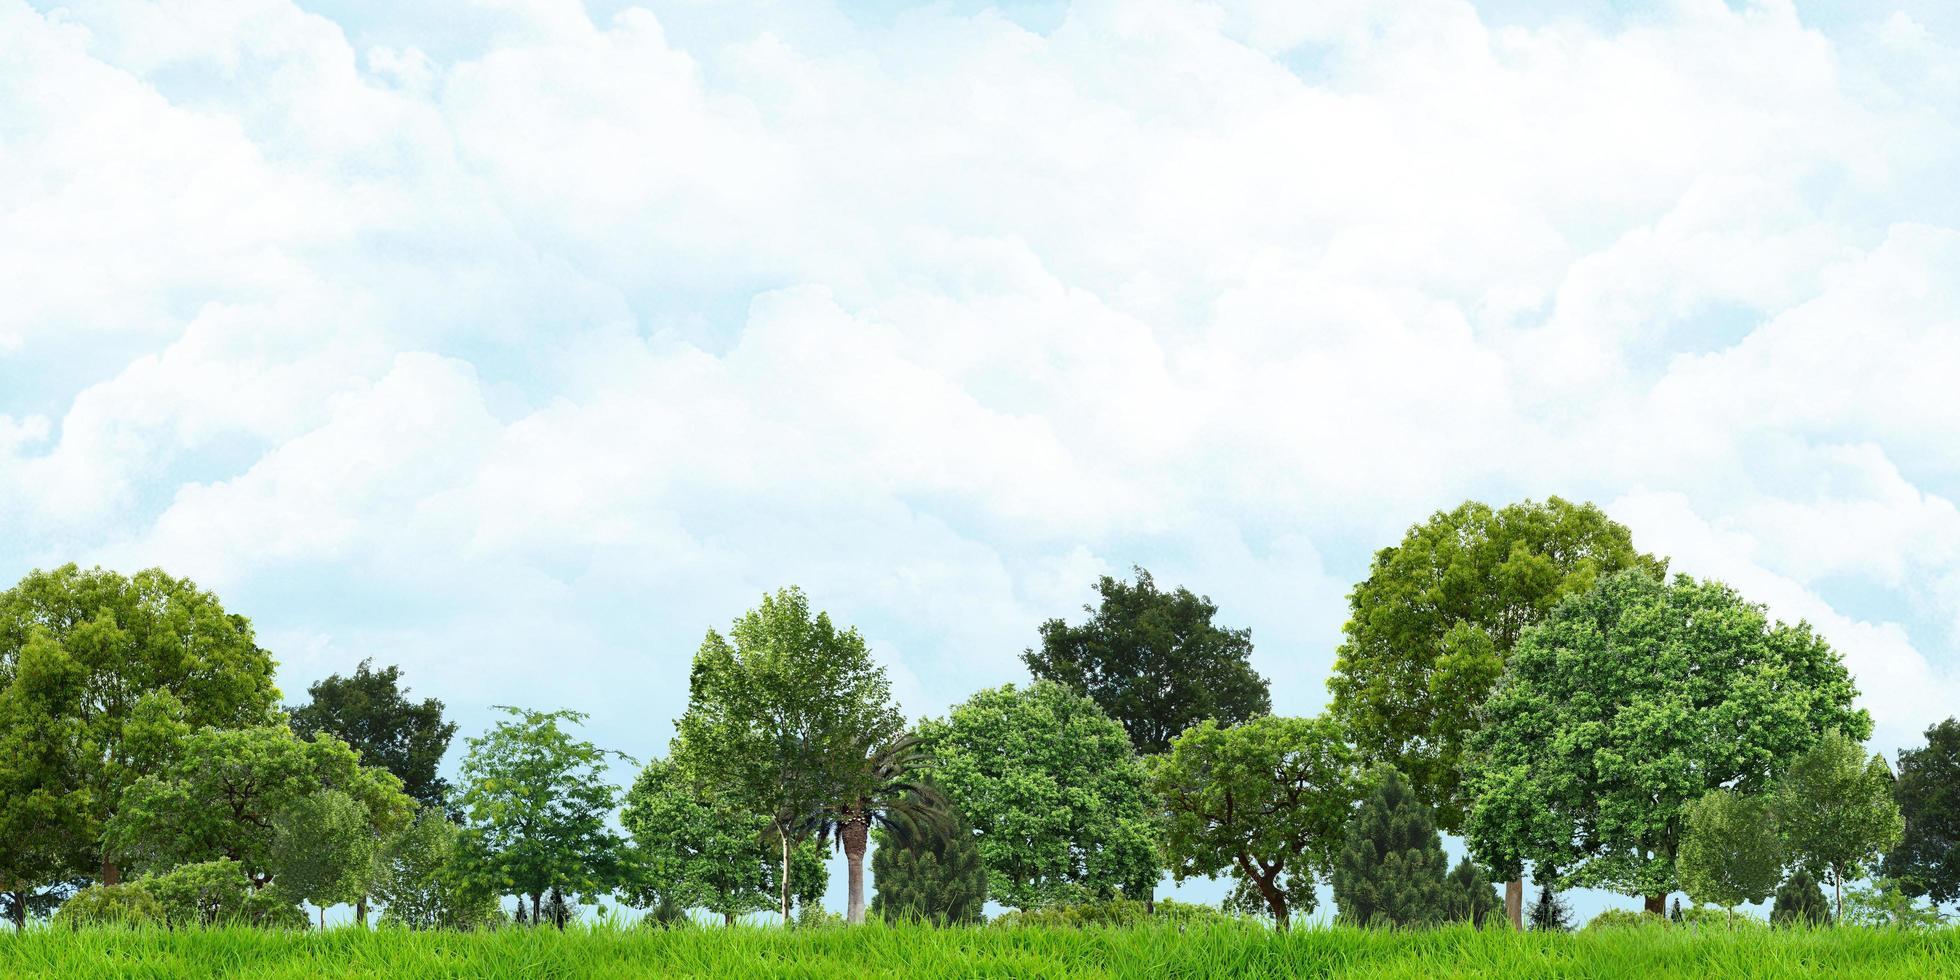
<point>1718,918</point>
<point>225,790</point>
<point>215,893</point>
<point>894,797</point>
<point>421,882</point>
<point>1469,895</point>
<point>1836,811</point>
<point>537,801</point>
<point>1550,913</point>
<point>1432,626</point>
<point>1055,791</point>
<point>125,665</point>
<point>783,714</point>
<point>1886,904</point>
<point>1627,703</point>
<point>1154,661</point>
<point>1391,869</point>
<point>1267,801</point>
<point>693,848</point>
<point>1625,919</point>
<point>1799,901</point>
<point>1927,860</point>
<point>323,849</point>
<point>127,905</point>
<point>928,871</point>
<point>370,711</point>
<point>1730,852</point>
<point>1115,913</point>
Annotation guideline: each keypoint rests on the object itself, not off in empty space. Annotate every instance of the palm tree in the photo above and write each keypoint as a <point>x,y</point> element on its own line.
<point>891,791</point>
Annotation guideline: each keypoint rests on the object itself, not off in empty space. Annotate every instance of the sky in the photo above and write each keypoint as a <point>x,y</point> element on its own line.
<point>520,342</point>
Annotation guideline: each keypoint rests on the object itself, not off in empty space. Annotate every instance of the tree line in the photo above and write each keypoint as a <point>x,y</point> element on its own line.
<point>1520,676</point>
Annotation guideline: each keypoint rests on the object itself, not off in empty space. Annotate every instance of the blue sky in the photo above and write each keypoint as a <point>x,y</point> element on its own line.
<point>519,342</point>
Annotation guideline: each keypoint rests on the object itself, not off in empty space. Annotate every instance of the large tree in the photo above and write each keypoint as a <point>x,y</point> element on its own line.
<point>226,791</point>
<point>695,848</point>
<point>370,710</point>
<point>536,804</point>
<point>787,715</point>
<point>1730,851</point>
<point>1154,661</point>
<point>421,880</point>
<point>1266,801</point>
<point>1927,860</point>
<point>151,650</point>
<point>46,824</point>
<point>1055,791</point>
<point>1627,703</point>
<point>1430,628</point>
<point>1836,811</point>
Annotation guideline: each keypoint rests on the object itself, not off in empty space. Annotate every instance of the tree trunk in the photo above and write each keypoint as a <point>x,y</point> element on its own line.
<point>323,917</point>
<point>360,911</point>
<point>537,908</point>
<point>1275,899</point>
<point>1657,904</point>
<point>1837,894</point>
<point>784,834</point>
<point>1514,903</point>
<point>558,908</point>
<point>852,836</point>
<point>20,911</point>
<point>111,875</point>
<point>728,919</point>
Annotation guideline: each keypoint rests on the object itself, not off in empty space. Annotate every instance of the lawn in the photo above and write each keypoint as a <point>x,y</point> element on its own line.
<point>876,951</point>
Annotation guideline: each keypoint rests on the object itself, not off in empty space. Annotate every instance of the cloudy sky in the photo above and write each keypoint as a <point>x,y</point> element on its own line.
<point>518,342</point>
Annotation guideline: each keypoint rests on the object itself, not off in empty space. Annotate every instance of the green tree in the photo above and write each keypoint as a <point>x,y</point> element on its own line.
<point>156,655</point>
<point>1550,913</point>
<point>216,893</point>
<point>370,711</point>
<point>1836,810</point>
<point>784,715</point>
<point>1470,897</point>
<point>693,848</point>
<point>1055,791</point>
<point>1267,800</point>
<point>1730,852</point>
<point>1391,869</point>
<point>892,797</point>
<point>45,823</point>
<point>1799,900</point>
<point>223,795</point>
<point>323,850</point>
<point>1927,860</point>
<point>419,878</point>
<point>536,802</point>
<point>1154,661</point>
<point>1630,701</point>
<point>928,871</point>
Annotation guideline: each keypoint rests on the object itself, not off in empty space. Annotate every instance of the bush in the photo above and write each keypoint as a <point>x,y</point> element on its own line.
<point>216,893</point>
<point>1078,915</point>
<point>1708,917</point>
<point>1800,900</point>
<point>127,906</point>
<point>812,916</point>
<point>1626,919</point>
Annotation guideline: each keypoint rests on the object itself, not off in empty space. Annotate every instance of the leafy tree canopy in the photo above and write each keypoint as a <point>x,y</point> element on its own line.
<point>1927,860</point>
<point>1154,661</point>
<point>1267,801</point>
<point>323,849</point>
<point>1630,701</point>
<point>419,879</point>
<point>1430,628</point>
<point>1730,852</point>
<point>693,848</point>
<point>1055,791</point>
<point>370,711</point>
<point>1837,814</point>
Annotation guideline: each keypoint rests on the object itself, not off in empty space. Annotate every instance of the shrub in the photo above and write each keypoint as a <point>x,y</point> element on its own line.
<point>1800,900</point>
<point>1709,917</point>
<point>126,905</point>
<point>1078,915</point>
<point>1626,919</point>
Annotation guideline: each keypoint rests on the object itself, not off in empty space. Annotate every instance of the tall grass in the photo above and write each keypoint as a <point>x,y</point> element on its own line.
<point>923,952</point>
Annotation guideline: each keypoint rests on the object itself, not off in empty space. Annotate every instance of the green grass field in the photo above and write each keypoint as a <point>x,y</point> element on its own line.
<point>877,951</point>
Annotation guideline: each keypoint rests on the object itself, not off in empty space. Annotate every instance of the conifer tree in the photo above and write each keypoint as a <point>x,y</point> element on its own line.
<point>1471,896</point>
<point>1391,871</point>
<point>928,871</point>
<point>1800,900</point>
<point>1550,912</point>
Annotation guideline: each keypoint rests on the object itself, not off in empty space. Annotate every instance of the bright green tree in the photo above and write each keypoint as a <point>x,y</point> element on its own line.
<point>1730,852</point>
<point>323,850</point>
<point>786,715</point>
<point>1927,860</point>
<point>928,870</point>
<point>1391,870</point>
<point>1836,809</point>
<point>1630,701</point>
<point>156,656</point>
<point>1431,627</point>
<point>1267,801</point>
<point>1154,661</point>
<point>536,804</point>
<point>1055,791</point>
<point>1800,901</point>
<point>223,795</point>
<point>419,878</point>
<point>693,848</point>
<point>45,823</point>
<point>370,710</point>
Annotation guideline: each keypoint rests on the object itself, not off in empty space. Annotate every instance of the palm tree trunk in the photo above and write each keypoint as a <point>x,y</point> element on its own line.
<point>852,834</point>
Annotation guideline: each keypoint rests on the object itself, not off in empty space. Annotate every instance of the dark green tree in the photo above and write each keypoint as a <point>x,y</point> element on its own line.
<point>370,711</point>
<point>1927,860</point>
<point>892,795</point>
<point>1550,913</point>
<point>928,871</point>
<point>1430,630</point>
<point>1470,897</point>
<point>1154,661</point>
<point>46,824</point>
<point>1800,900</point>
<point>1392,870</point>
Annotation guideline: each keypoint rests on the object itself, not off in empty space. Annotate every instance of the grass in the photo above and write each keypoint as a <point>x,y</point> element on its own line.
<point>878,951</point>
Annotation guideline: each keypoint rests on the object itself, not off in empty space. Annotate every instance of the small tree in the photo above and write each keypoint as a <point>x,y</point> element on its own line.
<point>1550,913</point>
<point>1837,812</point>
<point>693,848</point>
<point>418,876</point>
<point>928,871</point>
<point>1154,661</point>
<point>1392,869</point>
<point>1267,800</point>
<point>370,711</point>
<point>1927,860</point>
<point>1730,853</point>
<point>1800,901</point>
<point>890,794</point>
<point>323,850</point>
<point>1470,896</point>
<point>537,801</point>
